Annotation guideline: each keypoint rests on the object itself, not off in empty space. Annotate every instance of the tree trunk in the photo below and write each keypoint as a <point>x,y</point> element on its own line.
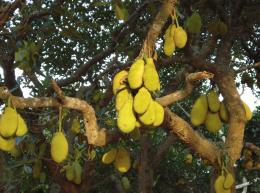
<point>145,171</point>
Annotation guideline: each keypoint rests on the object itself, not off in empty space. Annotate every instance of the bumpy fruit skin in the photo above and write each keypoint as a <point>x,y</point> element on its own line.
<point>249,113</point>
<point>159,114</point>
<point>149,62</point>
<point>59,147</point>
<point>180,37</point>
<point>199,111</point>
<point>229,181</point>
<point>118,81</point>
<point>122,162</point>
<point>126,118</point>
<point>194,23</point>
<point>135,75</point>
<point>70,173</point>
<point>213,101</point>
<point>8,122</point>
<point>151,78</point>
<point>7,144</point>
<point>21,127</point>
<point>121,98</point>
<point>218,185</point>
<point>142,100</point>
<point>213,122</point>
<point>149,116</point>
<point>169,46</point>
<point>109,156</point>
<point>125,182</point>
<point>223,112</point>
<point>77,172</point>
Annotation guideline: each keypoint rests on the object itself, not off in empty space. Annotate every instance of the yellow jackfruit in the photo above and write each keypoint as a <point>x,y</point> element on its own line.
<point>142,100</point>
<point>135,134</point>
<point>218,185</point>
<point>77,172</point>
<point>122,162</point>
<point>169,46</point>
<point>159,114</point>
<point>109,156</point>
<point>213,101</point>
<point>126,117</point>
<point>59,147</point>
<point>8,122</point>
<point>135,75</point>
<point>118,81</point>
<point>229,181</point>
<point>180,37</point>
<point>249,113</point>
<point>7,144</point>
<point>138,124</point>
<point>121,98</point>
<point>149,116</point>
<point>151,78</point>
<point>199,111</point>
<point>75,126</point>
<point>70,173</point>
<point>21,127</point>
<point>213,122</point>
<point>223,112</point>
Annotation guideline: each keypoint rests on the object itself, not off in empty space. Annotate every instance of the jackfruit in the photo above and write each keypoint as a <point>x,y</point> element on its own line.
<point>229,181</point>
<point>109,156</point>
<point>199,111</point>
<point>70,173</point>
<point>59,147</point>
<point>8,122</point>
<point>7,144</point>
<point>77,172</point>
<point>222,28</point>
<point>194,23</point>
<point>248,164</point>
<point>119,12</point>
<point>138,124</point>
<point>37,168</point>
<point>118,81</point>
<point>125,182</point>
<point>149,116</point>
<point>121,98</point>
<point>213,101</point>
<point>180,37</point>
<point>122,162</point>
<point>213,122</point>
<point>168,46</point>
<point>151,78</point>
<point>218,185</point>
<point>142,100</point>
<point>188,159</point>
<point>75,126</point>
<point>249,113</point>
<point>135,134</point>
<point>223,112</point>
<point>126,117</point>
<point>21,127</point>
<point>135,75</point>
<point>159,114</point>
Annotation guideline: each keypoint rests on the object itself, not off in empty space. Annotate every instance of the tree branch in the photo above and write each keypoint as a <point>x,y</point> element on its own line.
<point>180,94</point>
<point>244,68</point>
<point>184,132</point>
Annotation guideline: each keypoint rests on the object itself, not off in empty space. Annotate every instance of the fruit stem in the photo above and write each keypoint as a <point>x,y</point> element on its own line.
<point>175,16</point>
<point>60,117</point>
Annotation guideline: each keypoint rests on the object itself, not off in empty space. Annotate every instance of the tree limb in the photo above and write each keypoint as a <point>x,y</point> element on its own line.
<point>245,68</point>
<point>184,132</point>
<point>180,94</point>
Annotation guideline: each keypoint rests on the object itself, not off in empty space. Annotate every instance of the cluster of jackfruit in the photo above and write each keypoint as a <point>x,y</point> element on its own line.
<point>249,160</point>
<point>174,37</point>
<point>210,111</point>
<point>59,147</point>
<point>120,157</point>
<point>134,102</point>
<point>224,182</point>
<point>74,172</point>
<point>12,125</point>
<point>218,28</point>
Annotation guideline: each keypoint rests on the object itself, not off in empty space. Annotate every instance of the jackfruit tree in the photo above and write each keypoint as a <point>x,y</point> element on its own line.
<point>129,96</point>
